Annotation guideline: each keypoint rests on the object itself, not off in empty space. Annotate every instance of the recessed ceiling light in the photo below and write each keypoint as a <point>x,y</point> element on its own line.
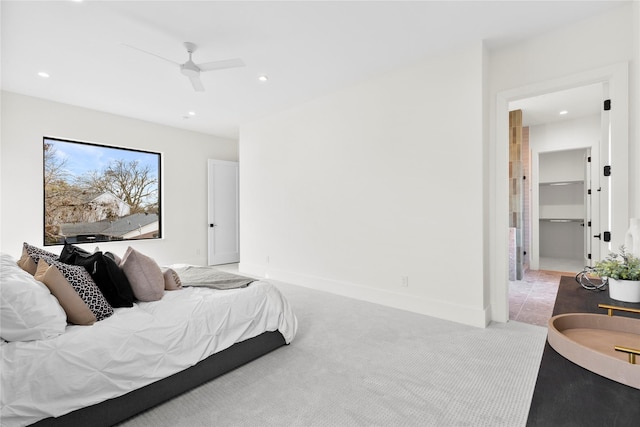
<point>563,112</point>
<point>263,78</point>
<point>192,113</point>
<point>43,75</point>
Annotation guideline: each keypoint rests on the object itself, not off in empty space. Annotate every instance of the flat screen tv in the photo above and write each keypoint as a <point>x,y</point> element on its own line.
<point>98,193</point>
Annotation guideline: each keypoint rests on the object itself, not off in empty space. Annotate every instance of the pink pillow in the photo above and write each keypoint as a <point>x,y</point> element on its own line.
<point>172,281</point>
<point>144,274</point>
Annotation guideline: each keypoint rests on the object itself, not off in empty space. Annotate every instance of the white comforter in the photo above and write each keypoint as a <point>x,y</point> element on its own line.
<point>134,347</point>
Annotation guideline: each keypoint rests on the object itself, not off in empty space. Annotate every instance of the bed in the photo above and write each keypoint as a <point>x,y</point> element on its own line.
<point>138,356</point>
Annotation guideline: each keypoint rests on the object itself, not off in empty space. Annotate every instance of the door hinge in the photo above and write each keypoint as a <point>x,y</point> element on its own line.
<point>588,223</point>
<point>607,170</point>
<point>589,159</point>
<point>607,105</point>
<point>589,191</point>
<point>588,256</point>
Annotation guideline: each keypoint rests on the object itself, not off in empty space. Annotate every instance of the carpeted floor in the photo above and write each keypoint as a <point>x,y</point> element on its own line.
<point>359,364</point>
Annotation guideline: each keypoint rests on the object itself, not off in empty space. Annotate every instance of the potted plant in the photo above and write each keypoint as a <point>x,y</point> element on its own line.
<point>622,270</point>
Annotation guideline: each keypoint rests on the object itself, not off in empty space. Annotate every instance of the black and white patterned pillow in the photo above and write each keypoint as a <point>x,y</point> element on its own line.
<point>84,285</point>
<point>36,253</point>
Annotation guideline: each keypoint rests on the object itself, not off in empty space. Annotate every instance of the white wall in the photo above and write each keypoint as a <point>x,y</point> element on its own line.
<point>352,191</point>
<point>583,132</point>
<point>558,166</point>
<point>26,120</point>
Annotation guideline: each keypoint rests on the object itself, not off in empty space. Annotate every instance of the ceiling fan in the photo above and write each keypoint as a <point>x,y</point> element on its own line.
<point>192,70</point>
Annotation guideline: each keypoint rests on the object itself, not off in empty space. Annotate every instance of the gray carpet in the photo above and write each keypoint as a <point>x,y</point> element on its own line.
<point>359,364</point>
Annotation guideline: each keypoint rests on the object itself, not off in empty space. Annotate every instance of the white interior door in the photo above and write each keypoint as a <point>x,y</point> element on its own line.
<point>223,237</point>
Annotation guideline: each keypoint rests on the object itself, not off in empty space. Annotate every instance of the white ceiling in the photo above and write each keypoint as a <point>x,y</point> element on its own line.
<point>577,102</point>
<point>307,48</point>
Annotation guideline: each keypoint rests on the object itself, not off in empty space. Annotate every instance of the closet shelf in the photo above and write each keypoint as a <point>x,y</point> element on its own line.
<point>560,183</point>
<point>562,220</point>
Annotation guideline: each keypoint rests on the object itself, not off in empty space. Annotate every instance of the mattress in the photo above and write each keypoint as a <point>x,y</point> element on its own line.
<point>133,348</point>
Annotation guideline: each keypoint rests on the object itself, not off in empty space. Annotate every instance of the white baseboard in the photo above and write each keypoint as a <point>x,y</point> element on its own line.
<point>416,304</point>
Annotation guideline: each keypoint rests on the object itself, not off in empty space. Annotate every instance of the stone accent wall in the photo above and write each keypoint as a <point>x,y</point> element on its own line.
<point>516,205</point>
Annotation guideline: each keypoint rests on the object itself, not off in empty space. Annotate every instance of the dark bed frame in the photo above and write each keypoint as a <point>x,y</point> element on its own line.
<point>118,409</point>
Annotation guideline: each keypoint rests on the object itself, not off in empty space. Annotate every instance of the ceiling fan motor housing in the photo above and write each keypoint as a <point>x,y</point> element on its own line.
<point>190,69</point>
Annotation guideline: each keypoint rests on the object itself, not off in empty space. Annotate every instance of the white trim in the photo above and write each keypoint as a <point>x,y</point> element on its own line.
<point>416,304</point>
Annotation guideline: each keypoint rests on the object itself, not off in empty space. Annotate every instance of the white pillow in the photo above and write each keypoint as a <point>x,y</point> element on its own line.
<point>28,311</point>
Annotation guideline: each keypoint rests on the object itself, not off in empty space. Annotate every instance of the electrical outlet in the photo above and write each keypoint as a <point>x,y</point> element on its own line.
<point>405,281</point>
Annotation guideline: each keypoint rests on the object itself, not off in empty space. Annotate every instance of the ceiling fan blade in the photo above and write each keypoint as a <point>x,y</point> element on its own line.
<point>221,65</point>
<point>150,53</point>
<point>197,83</point>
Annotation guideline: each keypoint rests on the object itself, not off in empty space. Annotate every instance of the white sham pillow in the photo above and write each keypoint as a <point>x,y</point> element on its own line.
<point>28,311</point>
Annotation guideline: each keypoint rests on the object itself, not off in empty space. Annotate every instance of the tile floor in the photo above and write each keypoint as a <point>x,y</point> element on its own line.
<point>531,299</point>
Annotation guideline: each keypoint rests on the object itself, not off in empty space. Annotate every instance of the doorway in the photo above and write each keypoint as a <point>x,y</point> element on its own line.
<point>616,79</point>
<point>560,130</point>
<point>562,226</point>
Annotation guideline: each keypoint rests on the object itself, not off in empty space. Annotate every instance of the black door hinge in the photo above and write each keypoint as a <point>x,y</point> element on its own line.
<point>588,256</point>
<point>589,159</point>
<point>607,170</point>
<point>606,236</point>
<point>607,105</point>
<point>588,223</point>
<point>589,191</point>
